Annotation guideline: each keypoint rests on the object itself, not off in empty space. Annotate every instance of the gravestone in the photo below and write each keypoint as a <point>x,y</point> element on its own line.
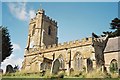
<point>55,66</point>
<point>9,69</point>
<point>42,66</point>
<point>1,71</point>
<point>42,69</point>
<point>16,68</point>
<point>89,65</point>
<point>99,44</point>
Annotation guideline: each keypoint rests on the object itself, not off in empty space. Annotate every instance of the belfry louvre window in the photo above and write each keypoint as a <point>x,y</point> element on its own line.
<point>49,30</point>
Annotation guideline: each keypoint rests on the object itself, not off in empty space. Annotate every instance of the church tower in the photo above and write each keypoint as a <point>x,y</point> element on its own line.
<point>42,31</point>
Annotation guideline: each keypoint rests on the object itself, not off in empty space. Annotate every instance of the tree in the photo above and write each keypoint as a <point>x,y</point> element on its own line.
<point>110,33</point>
<point>115,25</point>
<point>6,44</point>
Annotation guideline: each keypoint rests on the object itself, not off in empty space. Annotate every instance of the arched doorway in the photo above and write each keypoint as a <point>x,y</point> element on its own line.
<point>89,65</point>
<point>78,61</point>
<point>61,60</point>
<point>113,66</point>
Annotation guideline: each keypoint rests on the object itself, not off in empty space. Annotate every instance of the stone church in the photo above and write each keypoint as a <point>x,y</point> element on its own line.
<point>43,49</point>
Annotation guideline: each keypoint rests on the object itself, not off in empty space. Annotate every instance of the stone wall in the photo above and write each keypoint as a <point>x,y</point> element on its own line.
<point>83,47</point>
<point>112,51</point>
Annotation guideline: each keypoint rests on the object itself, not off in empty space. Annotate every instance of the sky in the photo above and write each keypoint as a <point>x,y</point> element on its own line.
<point>60,0</point>
<point>76,20</point>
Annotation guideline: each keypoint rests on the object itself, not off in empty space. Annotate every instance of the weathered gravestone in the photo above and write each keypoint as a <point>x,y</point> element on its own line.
<point>9,69</point>
<point>16,68</point>
<point>42,68</point>
<point>99,44</point>
<point>55,66</point>
<point>1,71</point>
<point>89,65</point>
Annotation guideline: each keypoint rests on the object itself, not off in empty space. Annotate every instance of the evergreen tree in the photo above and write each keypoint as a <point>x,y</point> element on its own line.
<point>115,25</point>
<point>6,43</point>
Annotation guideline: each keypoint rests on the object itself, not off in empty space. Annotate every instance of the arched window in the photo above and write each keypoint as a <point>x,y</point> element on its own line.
<point>78,61</point>
<point>113,66</point>
<point>49,30</point>
<point>60,58</point>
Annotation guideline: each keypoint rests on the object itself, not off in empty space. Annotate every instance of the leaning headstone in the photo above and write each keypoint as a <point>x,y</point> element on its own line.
<point>9,69</point>
<point>55,66</point>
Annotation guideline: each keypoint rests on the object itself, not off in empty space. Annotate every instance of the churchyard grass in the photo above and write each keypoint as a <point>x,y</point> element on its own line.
<point>61,74</point>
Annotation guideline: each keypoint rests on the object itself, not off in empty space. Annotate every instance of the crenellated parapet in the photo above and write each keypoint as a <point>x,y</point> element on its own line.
<point>45,17</point>
<point>60,46</point>
<point>48,19</point>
